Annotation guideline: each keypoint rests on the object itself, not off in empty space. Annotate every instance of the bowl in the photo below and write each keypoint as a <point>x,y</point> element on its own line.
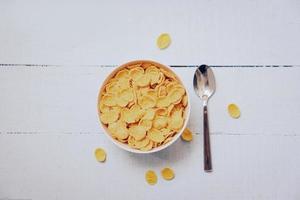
<point>126,146</point>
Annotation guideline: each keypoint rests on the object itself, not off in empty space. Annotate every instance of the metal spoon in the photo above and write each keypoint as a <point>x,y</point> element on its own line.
<point>205,86</point>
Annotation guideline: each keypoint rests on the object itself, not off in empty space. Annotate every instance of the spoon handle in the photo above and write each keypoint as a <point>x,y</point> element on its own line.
<point>207,154</point>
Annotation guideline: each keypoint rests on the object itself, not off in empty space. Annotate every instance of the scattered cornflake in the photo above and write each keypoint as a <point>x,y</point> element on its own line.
<point>234,111</point>
<point>100,154</point>
<point>163,41</point>
<point>151,177</point>
<point>167,173</point>
<point>187,135</point>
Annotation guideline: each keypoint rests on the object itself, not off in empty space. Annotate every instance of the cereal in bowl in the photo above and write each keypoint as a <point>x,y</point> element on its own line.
<point>143,106</point>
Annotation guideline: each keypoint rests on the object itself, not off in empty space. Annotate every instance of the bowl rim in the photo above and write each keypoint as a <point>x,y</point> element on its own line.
<point>124,146</point>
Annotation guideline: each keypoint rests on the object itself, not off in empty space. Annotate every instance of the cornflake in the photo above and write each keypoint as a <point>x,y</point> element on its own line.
<point>100,155</point>
<point>167,173</point>
<point>187,135</point>
<point>234,111</point>
<point>163,41</point>
<point>151,177</point>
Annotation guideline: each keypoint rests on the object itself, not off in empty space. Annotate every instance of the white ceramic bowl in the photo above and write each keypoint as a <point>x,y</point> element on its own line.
<point>124,146</point>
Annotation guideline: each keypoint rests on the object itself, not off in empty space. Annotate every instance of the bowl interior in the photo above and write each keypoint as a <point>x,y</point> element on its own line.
<point>125,146</point>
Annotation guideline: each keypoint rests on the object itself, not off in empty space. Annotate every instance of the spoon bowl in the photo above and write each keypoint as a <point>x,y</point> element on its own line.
<point>204,82</point>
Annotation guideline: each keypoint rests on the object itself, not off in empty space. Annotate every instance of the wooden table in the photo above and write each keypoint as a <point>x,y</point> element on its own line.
<point>55,56</point>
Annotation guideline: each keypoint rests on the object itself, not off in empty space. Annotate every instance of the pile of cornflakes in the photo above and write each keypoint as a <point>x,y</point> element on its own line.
<point>143,105</point>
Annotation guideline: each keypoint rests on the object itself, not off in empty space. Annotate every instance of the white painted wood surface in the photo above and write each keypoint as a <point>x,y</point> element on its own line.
<point>48,121</point>
<point>49,130</point>
<point>115,31</point>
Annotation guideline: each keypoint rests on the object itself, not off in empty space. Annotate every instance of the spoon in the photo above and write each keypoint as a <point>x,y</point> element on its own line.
<point>205,86</point>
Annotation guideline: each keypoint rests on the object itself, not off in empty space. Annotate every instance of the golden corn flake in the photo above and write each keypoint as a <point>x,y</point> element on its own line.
<point>143,106</point>
<point>138,132</point>
<point>119,130</point>
<point>151,177</point>
<point>175,122</point>
<point>187,135</point>
<point>141,143</point>
<point>124,84</point>
<point>142,81</point>
<point>146,123</point>
<point>162,91</point>
<point>109,100</point>
<point>148,147</point>
<point>137,111</point>
<point>234,111</point>
<point>162,102</point>
<point>112,87</point>
<point>163,41</point>
<point>154,74</point>
<point>100,154</point>
<point>110,117</point>
<point>152,68</point>
<point>176,95</point>
<point>167,173</point>
<point>131,115</point>
<point>124,73</point>
<point>149,114</point>
<point>136,73</point>
<point>126,94</point>
<point>147,102</point>
<point>160,122</point>
<point>155,135</point>
<point>121,133</point>
<point>154,77</point>
<point>127,115</point>
<point>171,85</point>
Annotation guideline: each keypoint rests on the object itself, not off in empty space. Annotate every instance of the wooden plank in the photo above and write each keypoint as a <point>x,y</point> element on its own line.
<point>63,167</point>
<point>226,32</point>
<point>63,99</point>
